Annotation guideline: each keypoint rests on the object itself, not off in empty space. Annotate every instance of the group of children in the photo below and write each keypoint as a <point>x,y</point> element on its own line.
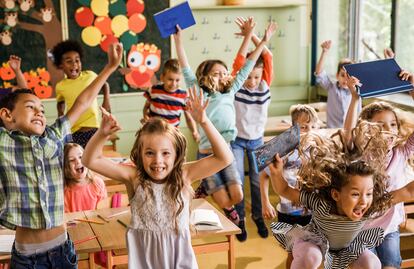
<point>341,195</point>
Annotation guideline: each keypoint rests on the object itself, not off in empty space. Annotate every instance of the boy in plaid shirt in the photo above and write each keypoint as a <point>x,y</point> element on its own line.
<point>31,174</point>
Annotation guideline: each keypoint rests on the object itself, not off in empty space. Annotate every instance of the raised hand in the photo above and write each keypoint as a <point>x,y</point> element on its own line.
<point>388,53</point>
<point>115,54</point>
<point>178,34</point>
<point>240,21</point>
<point>326,45</point>
<point>277,165</point>
<point>270,30</point>
<point>109,124</point>
<point>196,105</point>
<point>352,82</point>
<point>15,62</point>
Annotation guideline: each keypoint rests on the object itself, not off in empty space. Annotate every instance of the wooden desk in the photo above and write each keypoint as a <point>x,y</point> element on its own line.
<point>278,124</point>
<point>111,236</point>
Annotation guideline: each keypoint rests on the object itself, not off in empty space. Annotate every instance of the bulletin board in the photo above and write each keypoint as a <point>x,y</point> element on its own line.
<point>39,26</point>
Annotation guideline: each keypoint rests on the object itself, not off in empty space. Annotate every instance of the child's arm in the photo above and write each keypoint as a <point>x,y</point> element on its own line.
<point>268,211</point>
<point>15,65</point>
<point>352,114</point>
<point>85,99</point>
<point>93,156</point>
<point>106,97</point>
<point>145,112</point>
<point>192,125</point>
<point>388,53</point>
<point>326,45</point>
<point>280,184</point>
<point>222,155</point>
<point>189,77</point>
<point>242,53</point>
<point>60,106</point>
<point>404,194</point>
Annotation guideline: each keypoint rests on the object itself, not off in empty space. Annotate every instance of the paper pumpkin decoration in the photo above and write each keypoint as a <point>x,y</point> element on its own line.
<point>100,7</point>
<point>119,25</point>
<point>117,7</point>
<point>43,91</point>
<point>106,41</point>
<point>84,16</point>
<point>104,25</point>
<point>43,74</point>
<point>134,6</point>
<point>128,39</point>
<point>91,36</point>
<point>137,23</point>
<point>6,73</point>
<point>31,78</point>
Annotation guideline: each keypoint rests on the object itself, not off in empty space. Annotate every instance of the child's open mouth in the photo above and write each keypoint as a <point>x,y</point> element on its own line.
<point>80,170</point>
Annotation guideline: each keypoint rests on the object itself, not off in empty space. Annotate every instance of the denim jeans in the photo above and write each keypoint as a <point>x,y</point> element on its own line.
<point>389,250</point>
<point>239,147</point>
<point>60,257</point>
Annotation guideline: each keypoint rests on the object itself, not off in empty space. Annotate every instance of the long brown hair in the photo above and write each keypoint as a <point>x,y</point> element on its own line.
<point>328,163</point>
<point>66,167</point>
<point>175,183</point>
<point>205,80</point>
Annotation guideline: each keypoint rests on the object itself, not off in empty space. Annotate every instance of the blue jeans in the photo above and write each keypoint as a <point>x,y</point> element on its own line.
<point>239,147</point>
<point>389,250</point>
<point>63,256</point>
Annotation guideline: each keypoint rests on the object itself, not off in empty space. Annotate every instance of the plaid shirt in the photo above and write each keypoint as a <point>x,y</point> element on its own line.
<point>31,177</point>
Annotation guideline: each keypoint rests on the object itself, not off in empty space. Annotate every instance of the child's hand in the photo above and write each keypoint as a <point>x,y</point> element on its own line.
<point>196,136</point>
<point>240,21</point>
<point>196,105</point>
<point>115,54</point>
<point>326,45</point>
<point>407,76</point>
<point>177,35</point>
<point>270,30</point>
<point>268,211</point>
<point>388,53</point>
<point>15,62</point>
<point>277,165</point>
<point>109,124</point>
<point>352,82</point>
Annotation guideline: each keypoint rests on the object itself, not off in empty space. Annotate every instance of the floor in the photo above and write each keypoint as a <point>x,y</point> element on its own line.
<point>255,252</point>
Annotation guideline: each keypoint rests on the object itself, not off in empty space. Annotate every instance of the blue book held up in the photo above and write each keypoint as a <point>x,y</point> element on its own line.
<point>167,19</point>
<point>282,144</point>
<point>378,78</point>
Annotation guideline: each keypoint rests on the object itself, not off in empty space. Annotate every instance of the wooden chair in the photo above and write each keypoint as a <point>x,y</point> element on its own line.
<point>407,237</point>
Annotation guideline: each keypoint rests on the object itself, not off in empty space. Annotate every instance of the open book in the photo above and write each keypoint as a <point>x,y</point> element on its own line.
<point>205,219</point>
<point>167,19</point>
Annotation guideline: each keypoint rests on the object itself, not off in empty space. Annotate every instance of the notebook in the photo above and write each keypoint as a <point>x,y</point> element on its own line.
<point>205,219</point>
<point>282,144</point>
<point>378,77</point>
<point>167,19</point>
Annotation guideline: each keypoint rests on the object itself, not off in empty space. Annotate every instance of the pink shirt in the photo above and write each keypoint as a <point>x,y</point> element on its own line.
<point>391,220</point>
<point>85,197</point>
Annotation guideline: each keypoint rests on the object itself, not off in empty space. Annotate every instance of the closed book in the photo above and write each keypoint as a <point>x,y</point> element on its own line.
<point>282,144</point>
<point>378,78</point>
<point>205,219</point>
<point>167,19</point>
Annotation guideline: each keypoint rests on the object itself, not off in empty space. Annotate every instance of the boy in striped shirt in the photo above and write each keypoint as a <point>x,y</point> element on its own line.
<point>167,101</point>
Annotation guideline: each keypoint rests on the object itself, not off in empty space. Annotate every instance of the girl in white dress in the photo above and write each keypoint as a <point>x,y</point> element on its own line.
<point>159,185</point>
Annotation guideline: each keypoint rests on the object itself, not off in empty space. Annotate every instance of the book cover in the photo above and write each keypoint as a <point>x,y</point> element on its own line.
<point>167,19</point>
<point>282,144</point>
<point>378,77</point>
<point>205,219</point>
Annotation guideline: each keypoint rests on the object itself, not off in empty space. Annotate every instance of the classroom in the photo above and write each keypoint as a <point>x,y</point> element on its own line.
<point>206,134</point>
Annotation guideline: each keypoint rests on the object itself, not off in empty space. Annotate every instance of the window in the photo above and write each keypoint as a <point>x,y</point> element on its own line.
<point>404,40</point>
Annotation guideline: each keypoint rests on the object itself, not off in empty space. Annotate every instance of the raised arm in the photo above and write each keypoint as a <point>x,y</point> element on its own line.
<point>405,194</point>
<point>222,155</point>
<point>15,65</point>
<point>352,114</point>
<point>280,184</point>
<point>85,99</point>
<point>106,103</point>
<point>326,45</point>
<point>192,125</point>
<point>268,211</point>
<point>270,30</point>
<point>179,48</point>
<point>93,156</point>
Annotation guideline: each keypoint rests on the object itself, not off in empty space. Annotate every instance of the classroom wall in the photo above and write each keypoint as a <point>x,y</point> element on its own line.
<point>287,89</point>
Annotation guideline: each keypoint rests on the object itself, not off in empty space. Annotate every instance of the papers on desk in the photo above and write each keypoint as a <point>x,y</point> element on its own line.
<point>205,219</point>
<point>6,243</point>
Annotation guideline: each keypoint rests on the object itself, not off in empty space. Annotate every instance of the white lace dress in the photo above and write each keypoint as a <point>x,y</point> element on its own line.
<point>151,238</point>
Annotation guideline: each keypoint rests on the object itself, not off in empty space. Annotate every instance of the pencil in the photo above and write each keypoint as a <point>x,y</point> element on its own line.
<point>102,218</point>
<point>118,213</point>
<point>84,240</point>
<point>90,221</point>
<point>122,223</point>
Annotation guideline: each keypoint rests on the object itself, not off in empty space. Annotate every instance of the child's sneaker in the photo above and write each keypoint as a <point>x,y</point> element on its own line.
<point>200,192</point>
<point>232,215</point>
<point>243,235</point>
<point>261,227</point>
